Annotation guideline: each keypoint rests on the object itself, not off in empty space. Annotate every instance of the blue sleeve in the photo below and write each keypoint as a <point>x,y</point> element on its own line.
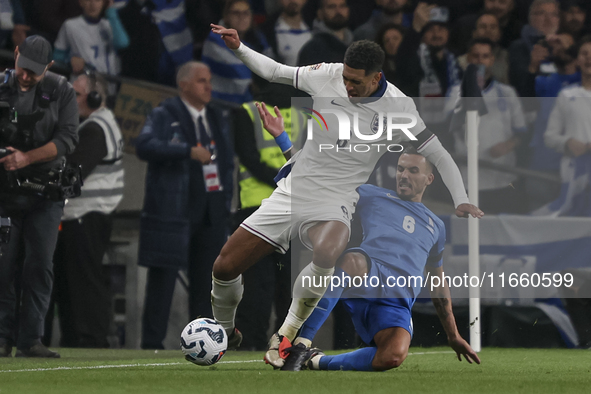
<point>61,56</point>
<point>120,37</point>
<point>150,146</point>
<point>435,258</point>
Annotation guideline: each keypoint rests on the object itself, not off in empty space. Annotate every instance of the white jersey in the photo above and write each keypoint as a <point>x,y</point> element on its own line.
<point>93,42</point>
<point>324,174</point>
<point>570,118</point>
<point>504,119</point>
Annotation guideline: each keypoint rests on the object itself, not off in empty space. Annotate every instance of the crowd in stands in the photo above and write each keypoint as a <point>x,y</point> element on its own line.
<point>535,53</point>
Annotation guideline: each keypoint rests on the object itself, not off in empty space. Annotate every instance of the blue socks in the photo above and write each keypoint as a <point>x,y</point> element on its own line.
<point>323,309</point>
<point>359,360</point>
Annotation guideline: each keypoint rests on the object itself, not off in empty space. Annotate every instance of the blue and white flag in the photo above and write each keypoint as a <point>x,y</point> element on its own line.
<point>575,193</point>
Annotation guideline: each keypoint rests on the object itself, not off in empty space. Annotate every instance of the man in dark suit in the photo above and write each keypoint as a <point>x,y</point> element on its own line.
<point>188,191</point>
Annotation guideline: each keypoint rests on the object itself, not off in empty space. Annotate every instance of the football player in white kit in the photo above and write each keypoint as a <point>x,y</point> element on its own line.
<point>316,195</point>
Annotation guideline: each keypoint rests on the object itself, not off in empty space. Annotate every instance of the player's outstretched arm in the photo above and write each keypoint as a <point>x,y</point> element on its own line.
<point>441,298</point>
<point>275,126</point>
<point>261,65</point>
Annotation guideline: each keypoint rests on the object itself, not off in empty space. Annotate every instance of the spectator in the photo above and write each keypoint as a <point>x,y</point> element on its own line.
<point>140,60</point>
<point>161,40</point>
<point>568,133</point>
<point>230,77</point>
<point>500,131</point>
<point>51,15</point>
<point>199,14</point>
<point>91,41</point>
<point>574,17</point>
<point>82,291</point>
<point>530,56</point>
<point>429,69</point>
<point>569,124</point>
<point>389,39</point>
<point>287,32</point>
<point>487,26</point>
<point>389,11</point>
<point>547,89</point>
<point>509,23</point>
<point>331,36</point>
<point>188,191</point>
<point>12,23</point>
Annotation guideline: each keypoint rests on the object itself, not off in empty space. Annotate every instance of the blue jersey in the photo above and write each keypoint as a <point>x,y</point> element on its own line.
<point>400,236</point>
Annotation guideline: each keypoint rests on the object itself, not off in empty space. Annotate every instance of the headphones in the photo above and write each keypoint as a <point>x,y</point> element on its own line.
<point>94,99</point>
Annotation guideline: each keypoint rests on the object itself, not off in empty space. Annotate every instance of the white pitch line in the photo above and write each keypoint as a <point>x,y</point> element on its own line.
<point>161,364</point>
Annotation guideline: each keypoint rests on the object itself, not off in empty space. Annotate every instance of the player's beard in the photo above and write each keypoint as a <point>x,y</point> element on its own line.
<point>337,23</point>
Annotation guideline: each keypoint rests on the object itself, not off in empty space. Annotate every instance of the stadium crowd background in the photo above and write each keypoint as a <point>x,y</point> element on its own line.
<point>426,45</point>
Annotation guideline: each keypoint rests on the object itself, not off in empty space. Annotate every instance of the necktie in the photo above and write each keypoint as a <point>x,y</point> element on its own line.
<point>203,136</point>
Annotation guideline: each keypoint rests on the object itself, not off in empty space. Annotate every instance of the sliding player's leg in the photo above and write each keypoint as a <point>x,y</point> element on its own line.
<point>328,240</point>
<point>242,250</point>
<point>390,350</point>
<point>350,265</point>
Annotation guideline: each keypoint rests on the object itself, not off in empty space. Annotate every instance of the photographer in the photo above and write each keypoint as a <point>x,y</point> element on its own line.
<point>45,111</point>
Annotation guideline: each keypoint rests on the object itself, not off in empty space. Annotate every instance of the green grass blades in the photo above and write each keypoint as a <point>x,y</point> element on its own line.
<point>434,370</point>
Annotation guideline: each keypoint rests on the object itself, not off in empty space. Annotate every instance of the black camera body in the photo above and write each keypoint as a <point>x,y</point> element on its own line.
<point>4,230</point>
<point>56,184</point>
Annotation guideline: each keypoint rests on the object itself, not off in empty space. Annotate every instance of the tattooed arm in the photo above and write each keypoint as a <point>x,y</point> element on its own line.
<point>441,298</point>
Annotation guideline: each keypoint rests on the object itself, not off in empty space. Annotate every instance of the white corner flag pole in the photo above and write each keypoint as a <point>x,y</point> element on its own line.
<point>472,120</point>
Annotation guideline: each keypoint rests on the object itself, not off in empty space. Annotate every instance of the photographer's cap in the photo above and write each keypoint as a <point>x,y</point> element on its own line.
<point>34,54</point>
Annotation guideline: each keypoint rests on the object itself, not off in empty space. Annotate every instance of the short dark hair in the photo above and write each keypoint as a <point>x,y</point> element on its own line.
<point>482,41</point>
<point>411,150</point>
<point>365,55</point>
<point>584,41</point>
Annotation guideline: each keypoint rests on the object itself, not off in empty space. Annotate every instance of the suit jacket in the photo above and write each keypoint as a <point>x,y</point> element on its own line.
<point>175,197</point>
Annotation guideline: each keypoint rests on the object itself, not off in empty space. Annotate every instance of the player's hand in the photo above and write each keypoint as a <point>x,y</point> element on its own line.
<point>19,34</point>
<point>230,36</point>
<point>77,64</point>
<point>465,210</point>
<point>502,148</point>
<point>274,125</point>
<point>462,348</point>
<point>576,148</point>
<point>16,160</point>
<point>200,154</point>
<point>422,16</point>
<point>538,54</point>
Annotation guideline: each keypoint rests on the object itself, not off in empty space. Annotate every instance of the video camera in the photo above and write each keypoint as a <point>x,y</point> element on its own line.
<point>55,184</point>
<point>4,230</point>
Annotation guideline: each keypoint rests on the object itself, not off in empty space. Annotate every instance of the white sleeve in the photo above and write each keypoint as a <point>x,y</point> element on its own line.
<point>266,67</point>
<point>554,138</point>
<point>450,173</point>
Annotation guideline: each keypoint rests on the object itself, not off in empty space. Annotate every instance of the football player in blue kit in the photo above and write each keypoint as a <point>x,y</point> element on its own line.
<point>380,280</point>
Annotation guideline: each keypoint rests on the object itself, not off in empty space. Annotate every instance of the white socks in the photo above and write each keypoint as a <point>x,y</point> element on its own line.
<point>308,289</point>
<point>225,297</point>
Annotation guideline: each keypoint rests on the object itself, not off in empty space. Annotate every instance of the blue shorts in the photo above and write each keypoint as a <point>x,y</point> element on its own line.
<point>372,315</point>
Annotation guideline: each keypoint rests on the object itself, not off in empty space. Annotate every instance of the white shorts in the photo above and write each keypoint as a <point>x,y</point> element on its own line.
<point>277,223</point>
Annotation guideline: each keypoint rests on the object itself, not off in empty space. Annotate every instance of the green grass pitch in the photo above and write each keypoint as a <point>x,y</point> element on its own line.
<point>433,370</point>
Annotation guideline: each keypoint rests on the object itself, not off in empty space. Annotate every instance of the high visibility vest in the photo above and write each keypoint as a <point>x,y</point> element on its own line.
<point>252,190</point>
<point>103,188</point>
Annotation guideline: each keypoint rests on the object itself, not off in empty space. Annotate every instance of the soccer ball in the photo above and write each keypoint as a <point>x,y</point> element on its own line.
<point>204,341</point>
